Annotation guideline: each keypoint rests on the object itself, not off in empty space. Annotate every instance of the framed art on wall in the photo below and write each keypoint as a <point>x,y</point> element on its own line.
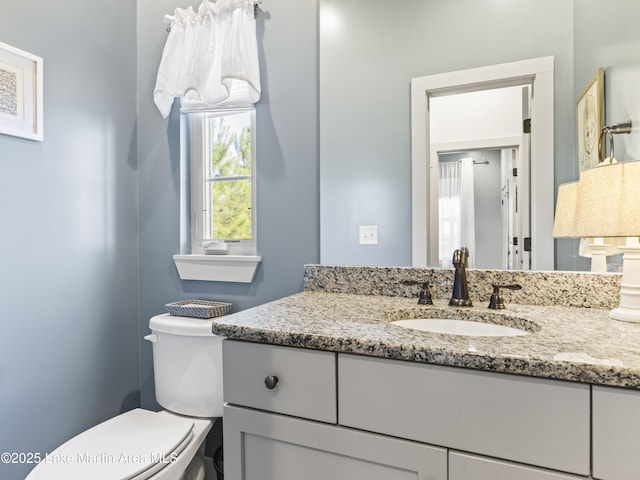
<point>21,109</point>
<point>590,118</point>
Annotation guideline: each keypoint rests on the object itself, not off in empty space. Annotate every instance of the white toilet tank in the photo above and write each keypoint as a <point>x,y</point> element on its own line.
<point>187,362</point>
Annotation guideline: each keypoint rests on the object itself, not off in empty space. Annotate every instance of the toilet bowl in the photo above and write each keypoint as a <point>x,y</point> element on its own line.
<point>146,445</point>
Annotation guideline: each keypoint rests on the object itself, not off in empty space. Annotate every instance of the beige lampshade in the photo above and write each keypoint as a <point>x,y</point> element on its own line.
<point>607,202</point>
<point>564,222</point>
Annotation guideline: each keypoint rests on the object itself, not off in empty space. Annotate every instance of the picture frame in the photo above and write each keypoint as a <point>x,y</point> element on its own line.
<point>21,93</point>
<point>590,121</point>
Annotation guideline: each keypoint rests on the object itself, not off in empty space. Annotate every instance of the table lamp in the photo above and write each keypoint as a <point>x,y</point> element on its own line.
<point>597,248</point>
<point>606,203</point>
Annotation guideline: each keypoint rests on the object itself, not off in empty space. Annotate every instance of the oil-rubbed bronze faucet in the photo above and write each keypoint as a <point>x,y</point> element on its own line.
<point>460,296</point>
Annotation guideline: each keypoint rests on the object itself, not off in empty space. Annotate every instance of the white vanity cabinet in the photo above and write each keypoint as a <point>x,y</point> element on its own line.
<point>616,433</point>
<point>263,445</point>
<point>342,416</point>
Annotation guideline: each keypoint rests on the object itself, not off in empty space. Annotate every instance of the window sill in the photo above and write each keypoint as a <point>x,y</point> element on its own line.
<point>217,268</point>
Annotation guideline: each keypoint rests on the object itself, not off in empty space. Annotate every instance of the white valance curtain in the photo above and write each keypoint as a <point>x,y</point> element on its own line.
<point>210,58</point>
<point>456,211</point>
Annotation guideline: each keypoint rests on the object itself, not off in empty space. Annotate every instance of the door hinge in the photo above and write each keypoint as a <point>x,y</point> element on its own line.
<point>515,241</point>
<point>526,125</point>
<point>527,244</point>
<point>514,172</point>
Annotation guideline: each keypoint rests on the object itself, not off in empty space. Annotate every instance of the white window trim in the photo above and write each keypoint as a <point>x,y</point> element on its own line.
<point>217,268</point>
<point>242,261</point>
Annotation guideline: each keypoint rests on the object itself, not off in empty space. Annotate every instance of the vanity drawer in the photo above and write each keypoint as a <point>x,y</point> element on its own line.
<point>529,420</point>
<point>306,379</point>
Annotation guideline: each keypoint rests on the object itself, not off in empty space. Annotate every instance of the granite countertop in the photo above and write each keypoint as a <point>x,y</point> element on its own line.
<point>567,343</point>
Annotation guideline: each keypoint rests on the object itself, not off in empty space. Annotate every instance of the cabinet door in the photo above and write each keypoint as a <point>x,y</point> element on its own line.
<point>616,423</point>
<point>471,467</point>
<point>264,446</point>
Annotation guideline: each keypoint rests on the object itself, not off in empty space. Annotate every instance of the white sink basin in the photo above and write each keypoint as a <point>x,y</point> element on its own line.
<point>460,327</point>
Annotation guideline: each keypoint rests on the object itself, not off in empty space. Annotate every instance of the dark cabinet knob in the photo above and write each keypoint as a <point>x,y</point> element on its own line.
<point>271,381</point>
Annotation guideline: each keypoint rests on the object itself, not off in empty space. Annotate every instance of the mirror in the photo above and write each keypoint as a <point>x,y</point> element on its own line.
<point>485,107</point>
<point>369,51</point>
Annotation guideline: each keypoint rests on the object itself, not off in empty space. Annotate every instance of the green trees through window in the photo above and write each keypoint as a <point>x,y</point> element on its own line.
<point>229,195</point>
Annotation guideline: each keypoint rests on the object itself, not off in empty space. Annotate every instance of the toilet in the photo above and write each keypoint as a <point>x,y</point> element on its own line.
<point>146,445</point>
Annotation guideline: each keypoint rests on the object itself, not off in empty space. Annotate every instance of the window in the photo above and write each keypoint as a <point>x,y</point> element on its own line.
<point>218,195</point>
<point>223,181</point>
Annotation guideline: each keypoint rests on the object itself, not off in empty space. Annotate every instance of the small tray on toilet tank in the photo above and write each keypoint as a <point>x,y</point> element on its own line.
<point>198,308</point>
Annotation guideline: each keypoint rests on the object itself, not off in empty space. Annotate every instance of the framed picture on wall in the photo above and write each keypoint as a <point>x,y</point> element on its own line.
<point>21,110</point>
<point>590,118</point>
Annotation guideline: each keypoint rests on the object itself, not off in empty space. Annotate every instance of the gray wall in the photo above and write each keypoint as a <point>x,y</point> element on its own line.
<point>487,183</point>
<point>69,276</point>
<point>287,171</point>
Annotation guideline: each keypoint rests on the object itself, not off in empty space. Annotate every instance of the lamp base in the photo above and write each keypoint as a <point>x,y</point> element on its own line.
<point>629,309</point>
<point>599,258</point>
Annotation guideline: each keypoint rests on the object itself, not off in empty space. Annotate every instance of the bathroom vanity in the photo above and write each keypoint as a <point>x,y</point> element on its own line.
<point>323,385</point>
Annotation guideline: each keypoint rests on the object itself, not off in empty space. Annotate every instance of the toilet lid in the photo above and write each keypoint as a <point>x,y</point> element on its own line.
<point>134,445</point>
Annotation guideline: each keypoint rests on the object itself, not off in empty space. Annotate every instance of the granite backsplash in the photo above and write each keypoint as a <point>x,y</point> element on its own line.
<point>567,289</point>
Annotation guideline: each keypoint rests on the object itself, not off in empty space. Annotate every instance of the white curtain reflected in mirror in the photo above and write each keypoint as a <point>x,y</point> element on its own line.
<point>456,210</point>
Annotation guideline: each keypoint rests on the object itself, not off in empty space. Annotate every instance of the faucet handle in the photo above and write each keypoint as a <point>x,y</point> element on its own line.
<point>425,293</point>
<point>496,302</point>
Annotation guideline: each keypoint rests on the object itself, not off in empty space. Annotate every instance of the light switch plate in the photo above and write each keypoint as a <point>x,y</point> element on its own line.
<point>368,234</point>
